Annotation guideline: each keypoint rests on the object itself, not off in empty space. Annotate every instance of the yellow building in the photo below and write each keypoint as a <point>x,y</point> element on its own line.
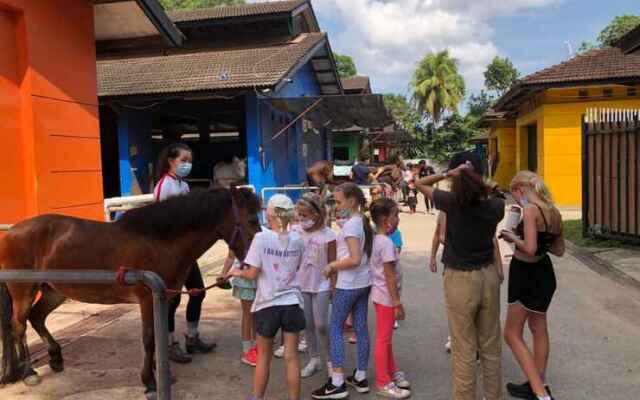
<point>537,124</point>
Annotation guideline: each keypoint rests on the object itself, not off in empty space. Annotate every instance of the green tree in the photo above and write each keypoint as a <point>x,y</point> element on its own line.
<point>617,28</point>
<point>345,64</point>
<point>479,103</point>
<point>437,85</point>
<point>500,75</point>
<point>586,46</point>
<point>451,137</point>
<point>408,119</point>
<point>189,4</point>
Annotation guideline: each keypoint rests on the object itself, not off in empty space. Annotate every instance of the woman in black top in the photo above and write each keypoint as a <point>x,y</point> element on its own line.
<point>471,283</point>
<point>532,281</point>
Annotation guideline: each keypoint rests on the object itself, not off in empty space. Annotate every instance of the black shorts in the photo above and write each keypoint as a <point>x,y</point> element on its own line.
<point>269,320</point>
<point>532,284</point>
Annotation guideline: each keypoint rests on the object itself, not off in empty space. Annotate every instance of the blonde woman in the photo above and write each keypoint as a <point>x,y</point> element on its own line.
<point>532,281</point>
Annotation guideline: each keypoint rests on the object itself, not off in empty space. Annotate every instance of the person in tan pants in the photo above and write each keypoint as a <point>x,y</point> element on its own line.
<point>471,280</point>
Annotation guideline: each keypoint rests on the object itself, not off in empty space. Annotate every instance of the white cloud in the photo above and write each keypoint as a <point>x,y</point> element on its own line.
<point>387,38</point>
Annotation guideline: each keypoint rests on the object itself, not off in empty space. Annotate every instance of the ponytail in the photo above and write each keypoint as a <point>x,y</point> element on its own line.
<point>353,191</point>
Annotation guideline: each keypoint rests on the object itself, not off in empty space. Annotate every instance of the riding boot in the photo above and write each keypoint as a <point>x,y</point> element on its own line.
<point>177,355</point>
<point>195,345</point>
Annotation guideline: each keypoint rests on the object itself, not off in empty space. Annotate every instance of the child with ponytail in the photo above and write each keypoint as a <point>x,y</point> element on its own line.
<point>385,293</point>
<point>319,250</point>
<point>273,261</point>
<point>353,285</point>
<point>532,281</point>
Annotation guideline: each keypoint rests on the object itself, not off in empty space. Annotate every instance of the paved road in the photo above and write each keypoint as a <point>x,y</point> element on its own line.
<point>594,324</point>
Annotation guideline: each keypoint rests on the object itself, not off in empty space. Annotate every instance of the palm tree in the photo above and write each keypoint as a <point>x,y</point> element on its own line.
<point>437,85</point>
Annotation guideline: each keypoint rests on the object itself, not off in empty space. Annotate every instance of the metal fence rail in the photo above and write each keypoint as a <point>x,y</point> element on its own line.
<point>149,279</point>
<point>610,173</point>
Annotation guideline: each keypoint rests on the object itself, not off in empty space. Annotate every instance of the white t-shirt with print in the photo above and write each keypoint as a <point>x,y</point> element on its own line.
<point>169,186</point>
<point>278,257</point>
<point>314,260</point>
<point>383,252</point>
<point>358,277</point>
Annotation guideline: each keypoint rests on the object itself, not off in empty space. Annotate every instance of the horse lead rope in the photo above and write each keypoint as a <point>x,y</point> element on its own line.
<point>196,292</point>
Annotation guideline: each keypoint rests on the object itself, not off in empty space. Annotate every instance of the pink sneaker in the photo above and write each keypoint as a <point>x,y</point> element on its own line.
<point>250,357</point>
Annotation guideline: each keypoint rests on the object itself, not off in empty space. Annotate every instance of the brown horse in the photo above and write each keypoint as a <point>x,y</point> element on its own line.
<point>166,238</point>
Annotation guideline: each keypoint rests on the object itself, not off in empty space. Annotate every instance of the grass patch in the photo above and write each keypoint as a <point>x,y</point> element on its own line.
<point>573,233</point>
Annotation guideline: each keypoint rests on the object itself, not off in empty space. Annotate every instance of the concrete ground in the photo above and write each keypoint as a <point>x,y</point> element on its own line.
<point>594,327</point>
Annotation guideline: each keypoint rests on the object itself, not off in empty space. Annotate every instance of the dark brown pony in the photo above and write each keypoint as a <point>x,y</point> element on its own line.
<point>165,238</point>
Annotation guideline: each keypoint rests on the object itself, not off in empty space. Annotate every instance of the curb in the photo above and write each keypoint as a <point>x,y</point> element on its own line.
<point>602,267</point>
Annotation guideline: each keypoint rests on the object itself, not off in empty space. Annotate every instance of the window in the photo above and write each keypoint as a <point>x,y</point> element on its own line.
<point>532,147</point>
<point>607,92</point>
<point>583,94</point>
<point>632,92</point>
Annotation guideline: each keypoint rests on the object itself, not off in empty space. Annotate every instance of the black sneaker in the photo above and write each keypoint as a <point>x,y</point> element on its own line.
<point>524,391</point>
<point>360,386</point>
<point>328,391</point>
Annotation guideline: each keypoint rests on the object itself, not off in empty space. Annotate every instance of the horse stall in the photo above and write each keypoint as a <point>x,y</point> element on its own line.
<point>133,137</point>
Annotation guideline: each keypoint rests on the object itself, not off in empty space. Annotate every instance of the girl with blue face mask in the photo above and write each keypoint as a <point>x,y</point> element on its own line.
<point>174,165</point>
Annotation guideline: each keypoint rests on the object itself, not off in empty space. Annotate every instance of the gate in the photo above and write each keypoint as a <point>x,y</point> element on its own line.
<point>150,279</point>
<point>610,173</point>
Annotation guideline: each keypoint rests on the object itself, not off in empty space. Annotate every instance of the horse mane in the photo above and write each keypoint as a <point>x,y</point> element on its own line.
<point>196,210</point>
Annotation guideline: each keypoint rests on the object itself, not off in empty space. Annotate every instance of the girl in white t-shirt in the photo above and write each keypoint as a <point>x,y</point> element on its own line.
<point>353,285</point>
<point>273,260</point>
<point>385,293</point>
<point>319,250</point>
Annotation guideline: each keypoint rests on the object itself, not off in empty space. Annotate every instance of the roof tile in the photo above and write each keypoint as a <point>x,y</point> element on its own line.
<point>231,11</point>
<point>213,69</point>
<point>598,64</point>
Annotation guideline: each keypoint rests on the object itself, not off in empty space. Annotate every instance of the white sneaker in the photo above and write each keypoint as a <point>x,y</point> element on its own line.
<point>311,368</point>
<point>395,325</point>
<point>401,381</point>
<point>391,391</point>
<point>279,353</point>
<point>447,346</point>
<point>302,345</point>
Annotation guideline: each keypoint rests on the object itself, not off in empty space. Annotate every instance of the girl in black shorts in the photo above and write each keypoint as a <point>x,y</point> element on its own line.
<point>532,281</point>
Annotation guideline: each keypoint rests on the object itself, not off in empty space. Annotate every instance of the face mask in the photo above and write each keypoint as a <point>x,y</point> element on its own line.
<point>343,214</point>
<point>391,230</point>
<point>524,201</point>
<point>307,224</point>
<point>341,221</point>
<point>183,170</point>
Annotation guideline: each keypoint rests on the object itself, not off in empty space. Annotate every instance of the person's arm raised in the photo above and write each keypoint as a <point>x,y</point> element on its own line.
<point>425,185</point>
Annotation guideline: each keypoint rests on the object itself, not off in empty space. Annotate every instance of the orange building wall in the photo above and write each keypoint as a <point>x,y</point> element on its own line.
<point>48,90</point>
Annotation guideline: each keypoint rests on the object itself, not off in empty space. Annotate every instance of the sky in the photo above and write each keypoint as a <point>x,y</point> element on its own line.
<point>386,38</point>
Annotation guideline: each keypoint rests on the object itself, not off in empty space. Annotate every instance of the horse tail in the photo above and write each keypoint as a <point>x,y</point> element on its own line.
<point>8,356</point>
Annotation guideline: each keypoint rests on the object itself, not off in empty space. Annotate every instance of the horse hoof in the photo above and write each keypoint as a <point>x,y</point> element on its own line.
<point>56,366</point>
<point>32,380</point>
<point>151,395</point>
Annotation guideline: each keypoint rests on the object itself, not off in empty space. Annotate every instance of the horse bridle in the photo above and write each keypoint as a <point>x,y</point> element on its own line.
<point>237,228</point>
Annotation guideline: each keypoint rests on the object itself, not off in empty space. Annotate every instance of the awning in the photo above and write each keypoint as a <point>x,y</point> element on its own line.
<point>131,19</point>
<point>336,112</point>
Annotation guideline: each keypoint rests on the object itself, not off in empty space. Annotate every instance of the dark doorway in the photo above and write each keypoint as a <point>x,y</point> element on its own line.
<point>532,147</point>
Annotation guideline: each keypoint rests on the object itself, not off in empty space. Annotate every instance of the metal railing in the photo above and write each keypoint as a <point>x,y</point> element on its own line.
<point>147,278</point>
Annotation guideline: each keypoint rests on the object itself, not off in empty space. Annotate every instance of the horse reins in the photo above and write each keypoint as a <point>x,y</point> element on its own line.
<point>237,231</point>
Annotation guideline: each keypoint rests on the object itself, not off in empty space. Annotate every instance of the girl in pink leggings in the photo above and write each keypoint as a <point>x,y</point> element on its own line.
<point>385,293</point>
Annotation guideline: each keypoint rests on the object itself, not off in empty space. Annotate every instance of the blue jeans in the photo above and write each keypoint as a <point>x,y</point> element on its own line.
<point>354,301</point>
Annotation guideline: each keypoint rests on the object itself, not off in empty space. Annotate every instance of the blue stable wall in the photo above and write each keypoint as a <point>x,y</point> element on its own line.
<point>135,152</point>
<point>281,161</point>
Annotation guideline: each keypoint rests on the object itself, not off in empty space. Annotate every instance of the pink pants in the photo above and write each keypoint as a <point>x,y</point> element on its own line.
<point>383,350</point>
